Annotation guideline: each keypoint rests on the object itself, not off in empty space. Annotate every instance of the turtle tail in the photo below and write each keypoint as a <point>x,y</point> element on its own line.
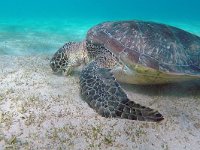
<point>103,93</point>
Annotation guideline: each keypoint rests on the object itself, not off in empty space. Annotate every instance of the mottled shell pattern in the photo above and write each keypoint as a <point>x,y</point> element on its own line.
<point>161,47</point>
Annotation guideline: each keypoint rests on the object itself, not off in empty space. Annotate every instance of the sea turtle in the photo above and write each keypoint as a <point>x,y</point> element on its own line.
<point>135,52</point>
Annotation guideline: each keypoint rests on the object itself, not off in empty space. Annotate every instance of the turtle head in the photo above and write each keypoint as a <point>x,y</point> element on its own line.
<point>71,55</point>
<point>59,61</point>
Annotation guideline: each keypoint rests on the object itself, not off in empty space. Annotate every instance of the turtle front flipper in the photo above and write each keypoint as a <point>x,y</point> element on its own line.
<point>103,93</point>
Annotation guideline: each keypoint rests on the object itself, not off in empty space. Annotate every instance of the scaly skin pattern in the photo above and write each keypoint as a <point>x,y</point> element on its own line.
<point>69,56</point>
<point>59,61</point>
<point>103,93</point>
<point>99,87</point>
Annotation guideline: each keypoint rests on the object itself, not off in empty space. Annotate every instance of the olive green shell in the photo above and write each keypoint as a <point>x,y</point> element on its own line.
<point>156,46</point>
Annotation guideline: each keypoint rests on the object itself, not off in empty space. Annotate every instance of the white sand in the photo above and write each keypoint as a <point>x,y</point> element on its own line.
<point>40,110</point>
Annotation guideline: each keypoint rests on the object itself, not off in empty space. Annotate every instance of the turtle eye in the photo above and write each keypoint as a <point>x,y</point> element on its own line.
<point>53,65</point>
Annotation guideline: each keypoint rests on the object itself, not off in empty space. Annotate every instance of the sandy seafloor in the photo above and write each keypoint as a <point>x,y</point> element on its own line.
<point>40,110</point>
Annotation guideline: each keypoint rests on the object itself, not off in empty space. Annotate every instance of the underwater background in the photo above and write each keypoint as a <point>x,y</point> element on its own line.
<point>32,27</point>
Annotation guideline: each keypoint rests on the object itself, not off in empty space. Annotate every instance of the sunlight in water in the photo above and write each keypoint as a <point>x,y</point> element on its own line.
<point>26,37</point>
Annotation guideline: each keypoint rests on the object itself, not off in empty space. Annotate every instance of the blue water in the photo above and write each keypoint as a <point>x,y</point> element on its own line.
<point>31,27</point>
